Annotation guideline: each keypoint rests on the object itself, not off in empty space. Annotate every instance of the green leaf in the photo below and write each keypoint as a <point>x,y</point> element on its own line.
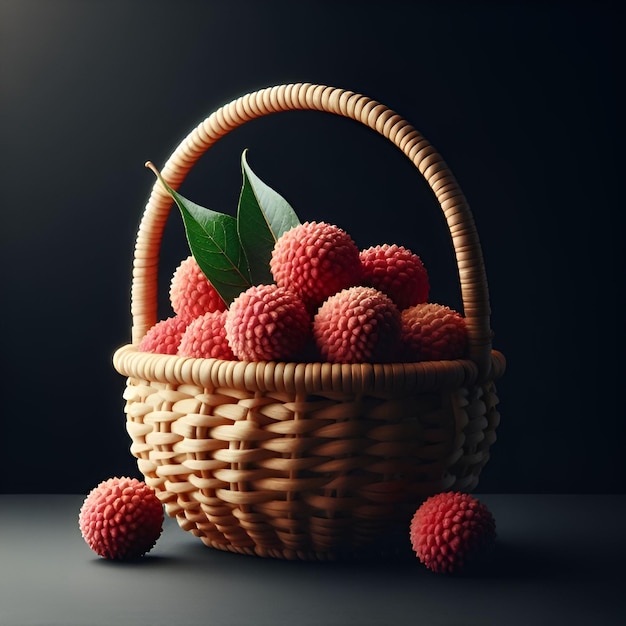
<point>214,242</point>
<point>263,215</point>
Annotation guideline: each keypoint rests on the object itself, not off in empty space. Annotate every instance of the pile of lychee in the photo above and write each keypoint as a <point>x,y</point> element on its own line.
<point>330,301</point>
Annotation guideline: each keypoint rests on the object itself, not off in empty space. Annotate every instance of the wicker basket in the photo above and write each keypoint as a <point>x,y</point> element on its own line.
<point>307,460</point>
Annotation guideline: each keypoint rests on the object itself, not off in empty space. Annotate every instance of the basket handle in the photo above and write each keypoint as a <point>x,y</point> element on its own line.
<point>306,96</point>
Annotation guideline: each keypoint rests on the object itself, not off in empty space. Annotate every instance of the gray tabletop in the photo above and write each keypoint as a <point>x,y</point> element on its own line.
<point>558,560</point>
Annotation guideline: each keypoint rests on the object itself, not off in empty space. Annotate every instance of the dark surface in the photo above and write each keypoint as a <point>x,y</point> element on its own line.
<point>520,98</point>
<point>558,560</point>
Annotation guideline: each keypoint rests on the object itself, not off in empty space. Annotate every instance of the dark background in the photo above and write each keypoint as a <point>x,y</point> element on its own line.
<point>519,98</point>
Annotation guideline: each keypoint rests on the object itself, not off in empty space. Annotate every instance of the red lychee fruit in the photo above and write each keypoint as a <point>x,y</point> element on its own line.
<point>121,518</point>
<point>191,293</point>
<point>315,260</point>
<point>357,325</point>
<point>164,337</point>
<point>396,271</point>
<point>267,323</point>
<point>449,529</point>
<point>205,338</point>
<point>432,332</point>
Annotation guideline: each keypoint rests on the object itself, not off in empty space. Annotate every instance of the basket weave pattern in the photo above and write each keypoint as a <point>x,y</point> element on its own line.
<point>307,460</point>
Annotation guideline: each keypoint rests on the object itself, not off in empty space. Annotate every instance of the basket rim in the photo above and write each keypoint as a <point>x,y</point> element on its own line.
<point>302,377</point>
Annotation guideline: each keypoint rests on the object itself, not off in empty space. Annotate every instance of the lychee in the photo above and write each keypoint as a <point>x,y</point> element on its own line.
<point>121,518</point>
<point>433,332</point>
<point>205,338</point>
<point>191,293</point>
<point>315,260</point>
<point>357,325</point>
<point>267,323</point>
<point>449,529</point>
<point>396,271</point>
<point>164,337</point>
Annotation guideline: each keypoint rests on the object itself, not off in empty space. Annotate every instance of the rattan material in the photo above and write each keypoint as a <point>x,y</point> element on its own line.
<point>307,460</point>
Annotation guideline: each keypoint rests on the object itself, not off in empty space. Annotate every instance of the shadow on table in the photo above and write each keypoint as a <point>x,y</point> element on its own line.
<point>512,558</point>
<point>507,560</point>
<point>147,561</point>
<point>513,561</point>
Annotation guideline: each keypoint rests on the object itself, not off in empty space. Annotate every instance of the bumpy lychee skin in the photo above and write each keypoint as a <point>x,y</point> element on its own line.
<point>191,293</point>
<point>450,529</point>
<point>205,338</point>
<point>396,271</point>
<point>357,325</point>
<point>121,518</point>
<point>433,332</point>
<point>315,260</point>
<point>164,337</point>
<point>267,323</point>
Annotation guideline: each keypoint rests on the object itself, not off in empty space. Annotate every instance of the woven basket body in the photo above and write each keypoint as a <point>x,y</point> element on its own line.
<point>307,460</point>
